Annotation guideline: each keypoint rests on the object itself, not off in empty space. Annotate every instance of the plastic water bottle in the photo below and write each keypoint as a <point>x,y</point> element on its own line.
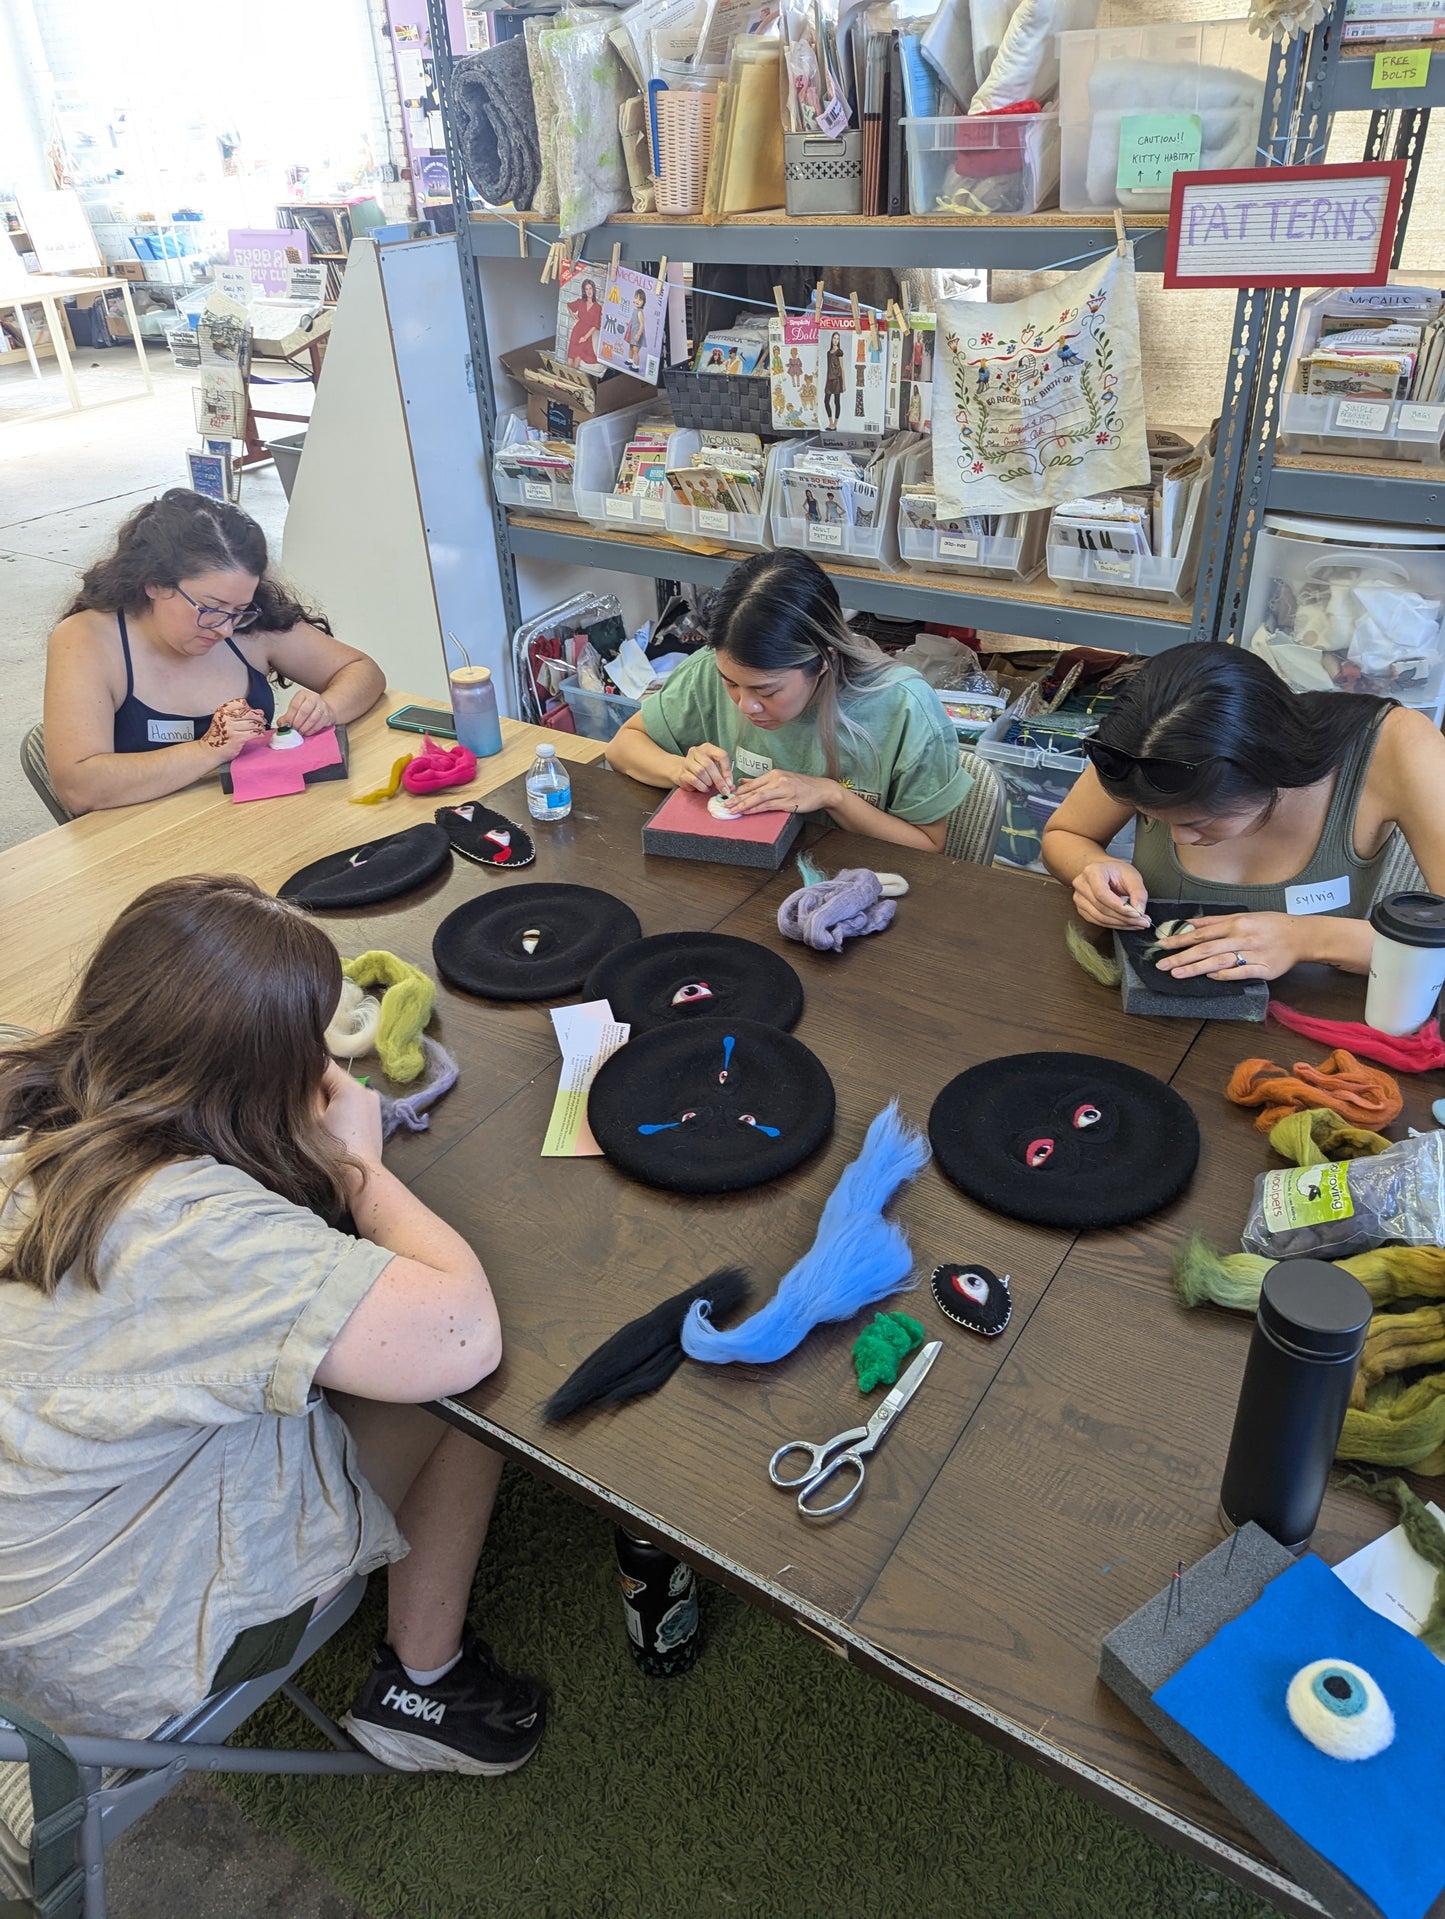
<point>549,787</point>
<point>474,710</point>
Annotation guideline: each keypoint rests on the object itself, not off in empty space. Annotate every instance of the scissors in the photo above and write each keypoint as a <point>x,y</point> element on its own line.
<point>848,1448</point>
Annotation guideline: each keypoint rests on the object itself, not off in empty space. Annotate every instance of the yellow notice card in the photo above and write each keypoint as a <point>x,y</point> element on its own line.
<point>587,1035</point>
<point>1409,67</point>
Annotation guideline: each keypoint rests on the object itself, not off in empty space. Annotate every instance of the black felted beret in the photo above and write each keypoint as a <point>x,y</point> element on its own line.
<point>488,838</point>
<point>691,976</point>
<point>530,942</point>
<point>710,1105</point>
<point>1064,1139</point>
<point>375,871</point>
<point>1177,913</point>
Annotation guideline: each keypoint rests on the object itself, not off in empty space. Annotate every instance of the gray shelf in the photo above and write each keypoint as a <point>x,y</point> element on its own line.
<point>1353,92</point>
<point>1413,496</point>
<point>1025,246</point>
<point>1070,622</point>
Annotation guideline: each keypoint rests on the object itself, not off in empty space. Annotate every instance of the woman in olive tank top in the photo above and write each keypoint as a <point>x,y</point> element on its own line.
<point>1248,794</point>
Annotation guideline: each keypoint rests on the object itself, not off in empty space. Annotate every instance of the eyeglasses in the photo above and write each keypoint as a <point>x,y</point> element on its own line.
<point>1115,765</point>
<point>211,619</point>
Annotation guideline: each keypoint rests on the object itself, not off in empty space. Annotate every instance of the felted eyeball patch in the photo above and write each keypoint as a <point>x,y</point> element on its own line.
<point>377,870</point>
<point>691,976</point>
<point>1064,1139</point>
<point>1145,949</point>
<point>530,942</point>
<point>974,1297</point>
<point>488,838</point>
<point>710,1105</point>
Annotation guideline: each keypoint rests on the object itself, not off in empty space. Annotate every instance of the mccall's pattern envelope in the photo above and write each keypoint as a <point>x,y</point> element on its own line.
<point>1040,400</point>
<point>630,334</point>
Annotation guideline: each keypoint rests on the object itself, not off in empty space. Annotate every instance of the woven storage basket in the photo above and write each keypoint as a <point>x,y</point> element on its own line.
<point>716,401</point>
<point>684,142</point>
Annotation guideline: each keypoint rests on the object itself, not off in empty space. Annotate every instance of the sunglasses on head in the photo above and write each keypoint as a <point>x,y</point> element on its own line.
<point>1112,763</point>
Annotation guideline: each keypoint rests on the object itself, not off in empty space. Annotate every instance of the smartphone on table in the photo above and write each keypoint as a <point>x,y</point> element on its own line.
<point>436,720</point>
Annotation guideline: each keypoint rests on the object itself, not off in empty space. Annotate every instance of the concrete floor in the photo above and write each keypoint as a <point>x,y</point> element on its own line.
<point>67,480</point>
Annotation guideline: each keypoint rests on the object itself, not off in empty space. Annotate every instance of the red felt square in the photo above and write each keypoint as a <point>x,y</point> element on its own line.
<point>685,811</point>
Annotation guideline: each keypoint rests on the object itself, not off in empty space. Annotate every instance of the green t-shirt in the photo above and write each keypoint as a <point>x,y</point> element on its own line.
<point>911,771</point>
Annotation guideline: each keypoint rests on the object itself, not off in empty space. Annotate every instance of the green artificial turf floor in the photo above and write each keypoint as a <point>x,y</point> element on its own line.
<point>772,1782</point>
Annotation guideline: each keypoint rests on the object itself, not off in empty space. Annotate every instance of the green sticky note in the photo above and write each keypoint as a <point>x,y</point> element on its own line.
<point>1153,147</point>
<point>1408,68</point>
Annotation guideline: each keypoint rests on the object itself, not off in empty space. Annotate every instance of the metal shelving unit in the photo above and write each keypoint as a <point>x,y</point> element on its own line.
<point>1306,83</point>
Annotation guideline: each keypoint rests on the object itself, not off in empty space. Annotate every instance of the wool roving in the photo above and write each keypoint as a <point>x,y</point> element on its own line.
<point>827,912</point>
<point>437,766</point>
<point>355,1023</point>
<point>857,1256</point>
<point>646,1352</point>
<point>1419,1052</point>
<point>1356,1092</point>
<point>1102,967</point>
<point>881,1348</point>
<point>409,1110</point>
<point>1319,1134</point>
<point>388,790</point>
<point>405,1010</point>
<point>1234,1279</point>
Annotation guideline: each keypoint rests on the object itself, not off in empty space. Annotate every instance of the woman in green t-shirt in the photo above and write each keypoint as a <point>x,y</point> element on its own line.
<point>817,718</point>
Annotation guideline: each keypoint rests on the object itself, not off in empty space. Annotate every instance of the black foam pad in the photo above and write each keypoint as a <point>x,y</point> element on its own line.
<point>691,976</point>
<point>482,947</point>
<point>377,870</point>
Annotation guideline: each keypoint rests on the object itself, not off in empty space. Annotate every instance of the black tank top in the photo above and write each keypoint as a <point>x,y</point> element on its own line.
<point>141,729</point>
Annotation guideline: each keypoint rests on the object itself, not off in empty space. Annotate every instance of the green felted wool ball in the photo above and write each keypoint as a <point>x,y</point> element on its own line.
<point>881,1348</point>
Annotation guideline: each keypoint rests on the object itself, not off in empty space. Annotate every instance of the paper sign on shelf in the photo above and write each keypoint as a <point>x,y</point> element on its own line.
<point>1315,226</point>
<point>1367,416</point>
<point>587,1035</point>
<point>1409,67</point>
<point>1153,147</point>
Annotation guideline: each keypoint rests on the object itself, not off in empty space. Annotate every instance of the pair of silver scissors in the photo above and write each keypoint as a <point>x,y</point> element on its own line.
<point>846,1452</point>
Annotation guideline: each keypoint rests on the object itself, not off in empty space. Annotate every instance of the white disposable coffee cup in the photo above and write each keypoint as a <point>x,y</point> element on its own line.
<point>1407,965</point>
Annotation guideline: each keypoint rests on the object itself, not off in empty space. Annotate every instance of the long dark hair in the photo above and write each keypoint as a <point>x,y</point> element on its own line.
<point>198,1028</point>
<point>177,537</point>
<point>1226,711</point>
<point>779,612</point>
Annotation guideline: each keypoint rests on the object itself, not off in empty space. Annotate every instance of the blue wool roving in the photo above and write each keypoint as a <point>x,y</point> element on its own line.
<point>857,1257</point>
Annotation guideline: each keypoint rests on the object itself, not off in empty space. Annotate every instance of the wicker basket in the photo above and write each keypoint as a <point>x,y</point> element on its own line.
<point>684,143</point>
<point>822,175</point>
<point>742,402</point>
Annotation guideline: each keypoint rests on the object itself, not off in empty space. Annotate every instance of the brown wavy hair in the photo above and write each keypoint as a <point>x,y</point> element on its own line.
<point>198,1028</point>
<point>176,537</point>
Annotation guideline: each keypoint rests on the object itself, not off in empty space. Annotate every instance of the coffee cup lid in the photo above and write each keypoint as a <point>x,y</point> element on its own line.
<point>470,675</point>
<point>1412,919</point>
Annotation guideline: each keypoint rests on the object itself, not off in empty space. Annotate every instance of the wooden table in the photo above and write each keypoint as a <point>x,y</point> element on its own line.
<point>47,291</point>
<point>1041,1486</point>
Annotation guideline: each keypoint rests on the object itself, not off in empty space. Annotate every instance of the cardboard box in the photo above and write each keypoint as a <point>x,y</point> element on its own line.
<point>556,405</point>
<point>134,270</point>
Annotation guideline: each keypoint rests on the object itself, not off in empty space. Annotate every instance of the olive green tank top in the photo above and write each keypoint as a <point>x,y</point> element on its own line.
<point>1333,880</point>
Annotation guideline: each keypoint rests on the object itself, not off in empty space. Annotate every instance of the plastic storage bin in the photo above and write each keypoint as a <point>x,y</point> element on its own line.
<point>599,455</point>
<point>1330,602</point>
<point>1016,552</point>
<point>543,494</point>
<point>1212,69</point>
<point>875,545</point>
<point>597,716</point>
<point>1145,575</point>
<point>1004,163</point>
<point>1338,425</point>
<point>688,523</point>
<point>1036,780</point>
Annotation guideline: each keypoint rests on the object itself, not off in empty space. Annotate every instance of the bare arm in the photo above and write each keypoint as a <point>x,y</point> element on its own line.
<point>705,768</point>
<point>1107,892</point>
<point>334,682</point>
<point>846,809</point>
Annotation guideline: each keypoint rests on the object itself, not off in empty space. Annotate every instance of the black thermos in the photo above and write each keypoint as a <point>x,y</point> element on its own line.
<point>1307,1341</point>
<point>659,1607</point>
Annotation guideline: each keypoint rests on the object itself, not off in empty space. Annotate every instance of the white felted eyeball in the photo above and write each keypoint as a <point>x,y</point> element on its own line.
<point>354,1024</point>
<point>1340,1710</point>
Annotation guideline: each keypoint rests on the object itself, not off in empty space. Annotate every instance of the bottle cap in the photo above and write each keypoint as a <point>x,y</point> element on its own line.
<point>1411,919</point>
<point>546,751</point>
<point>470,675</point>
<point>1315,1309</point>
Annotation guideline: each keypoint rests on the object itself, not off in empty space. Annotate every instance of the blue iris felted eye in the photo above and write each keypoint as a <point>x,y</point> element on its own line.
<point>1340,1710</point>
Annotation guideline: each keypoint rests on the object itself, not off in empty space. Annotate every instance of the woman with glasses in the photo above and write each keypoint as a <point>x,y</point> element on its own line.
<point>160,670</point>
<point>1246,793</point>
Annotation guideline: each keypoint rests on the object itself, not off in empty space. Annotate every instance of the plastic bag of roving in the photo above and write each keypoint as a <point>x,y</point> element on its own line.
<point>1351,1206</point>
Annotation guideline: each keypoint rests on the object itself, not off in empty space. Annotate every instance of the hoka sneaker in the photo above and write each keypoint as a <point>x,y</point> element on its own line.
<point>476,1719</point>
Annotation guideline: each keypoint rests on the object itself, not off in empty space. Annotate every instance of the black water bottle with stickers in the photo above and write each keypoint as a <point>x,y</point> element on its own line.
<point>659,1607</point>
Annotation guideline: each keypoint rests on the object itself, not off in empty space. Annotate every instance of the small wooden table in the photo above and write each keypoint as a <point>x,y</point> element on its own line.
<point>47,290</point>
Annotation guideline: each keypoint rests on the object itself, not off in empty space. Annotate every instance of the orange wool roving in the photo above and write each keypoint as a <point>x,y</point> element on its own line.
<point>1362,1094</point>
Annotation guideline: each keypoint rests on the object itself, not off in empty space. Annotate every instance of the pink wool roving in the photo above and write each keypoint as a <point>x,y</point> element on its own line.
<point>1419,1052</point>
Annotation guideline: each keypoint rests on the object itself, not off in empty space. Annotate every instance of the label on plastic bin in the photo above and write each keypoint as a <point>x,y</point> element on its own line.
<point>1116,569</point>
<point>537,490</point>
<point>651,509</point>
<point>1153,147</point>
<point>1306,1196</point>
<point>951,547</point>
<point>825,536</point>
<point>617,508</point>
<point>1366,416</point>
<point>1421,419</point>
<point>709,520</point>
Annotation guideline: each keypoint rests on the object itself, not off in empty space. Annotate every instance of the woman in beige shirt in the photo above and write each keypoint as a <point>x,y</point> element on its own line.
<point>220,1316</point>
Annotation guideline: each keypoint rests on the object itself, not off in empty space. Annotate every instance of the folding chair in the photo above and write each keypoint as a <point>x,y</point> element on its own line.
<point>32,765</point>
<point>973,827</point>
<point>62,1801</point>
<point>1400,873</point>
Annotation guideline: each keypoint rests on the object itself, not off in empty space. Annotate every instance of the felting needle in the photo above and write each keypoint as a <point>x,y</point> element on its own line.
<point>1179,1582</point>
<point>458,645</point>
<point>1233,1542</point>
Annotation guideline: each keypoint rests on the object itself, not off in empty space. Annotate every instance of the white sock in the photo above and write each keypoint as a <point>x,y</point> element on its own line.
<point>418,1678</point>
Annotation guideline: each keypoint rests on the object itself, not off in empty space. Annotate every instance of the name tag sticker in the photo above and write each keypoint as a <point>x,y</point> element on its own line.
<point>169,732</point>
<point>1325,896</point>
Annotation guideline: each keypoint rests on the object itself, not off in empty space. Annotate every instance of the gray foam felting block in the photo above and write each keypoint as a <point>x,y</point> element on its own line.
<point>681,828</point>
<point>1141,1654</point>
<point>1251,1002</point>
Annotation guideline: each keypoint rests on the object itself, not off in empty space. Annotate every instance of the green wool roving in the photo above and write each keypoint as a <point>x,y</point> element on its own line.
<point>881,1348</point>
<point>1100,966</point>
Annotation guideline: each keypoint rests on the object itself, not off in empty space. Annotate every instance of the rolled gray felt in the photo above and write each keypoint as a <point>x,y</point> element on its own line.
<point>491,95</point>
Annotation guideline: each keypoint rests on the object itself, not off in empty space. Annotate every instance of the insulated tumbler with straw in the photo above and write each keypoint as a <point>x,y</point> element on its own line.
<point>1308,1337</point>
<point>1407,962</point>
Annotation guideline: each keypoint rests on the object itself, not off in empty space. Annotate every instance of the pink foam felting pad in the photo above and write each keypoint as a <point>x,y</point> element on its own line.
<point>683,828</point>
<point>263,772</point>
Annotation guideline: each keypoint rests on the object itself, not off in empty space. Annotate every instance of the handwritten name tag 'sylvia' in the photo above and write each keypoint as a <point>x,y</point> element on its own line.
<point>1283,226</point>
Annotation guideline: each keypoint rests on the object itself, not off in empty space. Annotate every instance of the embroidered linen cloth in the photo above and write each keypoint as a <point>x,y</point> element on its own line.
<point>1040,400</point>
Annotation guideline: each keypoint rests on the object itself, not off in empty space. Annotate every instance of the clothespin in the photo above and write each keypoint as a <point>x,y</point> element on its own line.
<point>1119,233</point>
<point>818,301</point>
<point>616,256</point>
<point>782,310</point>
<point>661,274</point>
<point>521,239</point>
<point>857,323</point>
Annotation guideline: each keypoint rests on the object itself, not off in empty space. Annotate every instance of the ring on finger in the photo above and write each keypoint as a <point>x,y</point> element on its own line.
<point>1240,960</point>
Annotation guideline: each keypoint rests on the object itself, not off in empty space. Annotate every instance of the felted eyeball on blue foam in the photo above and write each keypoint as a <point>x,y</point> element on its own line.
<point>1340,1710</point>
